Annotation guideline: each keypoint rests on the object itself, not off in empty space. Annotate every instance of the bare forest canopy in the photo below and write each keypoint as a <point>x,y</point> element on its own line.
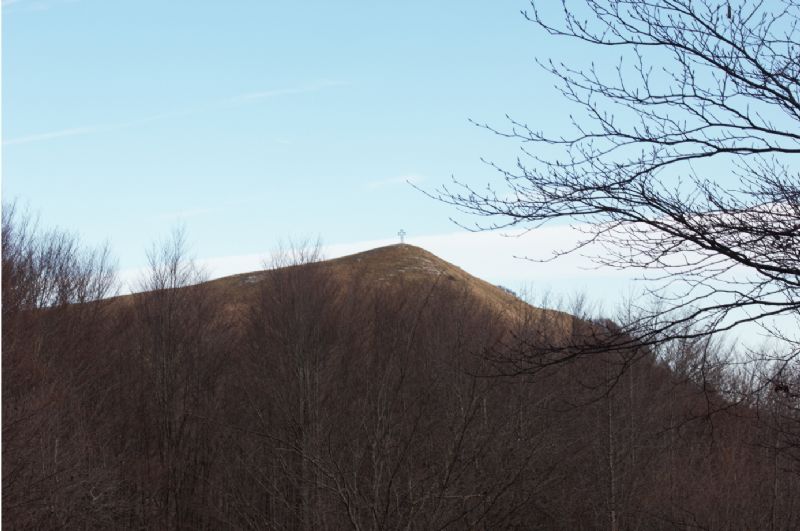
<point>375,391</point>
<point>392,390</point>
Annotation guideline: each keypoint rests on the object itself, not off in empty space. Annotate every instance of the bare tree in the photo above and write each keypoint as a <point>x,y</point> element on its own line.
<point>52,316</point>
<point>681,160</point>
<point>314,396</point>
<point>180,340</point>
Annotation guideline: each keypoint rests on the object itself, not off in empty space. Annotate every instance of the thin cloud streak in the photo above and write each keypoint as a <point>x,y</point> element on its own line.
<point>74,131</point>
<point>247,98</point>
<point>488,255</point>
<point>90,129</point>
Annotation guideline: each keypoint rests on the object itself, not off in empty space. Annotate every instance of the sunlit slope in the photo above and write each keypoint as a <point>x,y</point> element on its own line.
<point>396,267</point>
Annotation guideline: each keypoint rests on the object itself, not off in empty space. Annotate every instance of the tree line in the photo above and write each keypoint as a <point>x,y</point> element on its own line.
<point>320,401</point>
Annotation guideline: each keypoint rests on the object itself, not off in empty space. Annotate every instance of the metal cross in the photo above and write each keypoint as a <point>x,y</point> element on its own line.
<point>402,235</point>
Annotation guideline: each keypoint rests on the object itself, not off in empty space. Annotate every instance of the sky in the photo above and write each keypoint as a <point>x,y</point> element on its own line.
<point>252,123</point>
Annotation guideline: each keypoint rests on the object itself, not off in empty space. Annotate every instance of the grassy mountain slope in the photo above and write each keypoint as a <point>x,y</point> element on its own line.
<point>394,266</point>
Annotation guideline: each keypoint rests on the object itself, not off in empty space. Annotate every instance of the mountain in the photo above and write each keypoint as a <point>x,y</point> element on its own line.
<point>399,265</point>
<point>387,266</point>
<point>383,390</point>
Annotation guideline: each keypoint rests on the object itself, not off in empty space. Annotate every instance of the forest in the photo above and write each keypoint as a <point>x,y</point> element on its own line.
<point>377,391</point>
<point>392,390</point>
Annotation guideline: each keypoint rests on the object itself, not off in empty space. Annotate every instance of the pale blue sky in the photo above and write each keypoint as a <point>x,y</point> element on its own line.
<point>253,121</point>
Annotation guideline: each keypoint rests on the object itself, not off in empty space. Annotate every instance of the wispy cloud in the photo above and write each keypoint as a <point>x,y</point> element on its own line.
<point>496,257</point>
<point>393,181</point>
<point>73,131</point>
<point>88,129</point>
<point>251,97</point>
<point>492,256</point>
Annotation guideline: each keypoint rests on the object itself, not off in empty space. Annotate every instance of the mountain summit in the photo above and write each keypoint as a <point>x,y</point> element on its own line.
<point>391,265</point>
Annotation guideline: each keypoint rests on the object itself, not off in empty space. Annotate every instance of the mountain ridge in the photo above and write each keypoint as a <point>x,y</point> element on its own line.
<point>398,264</point>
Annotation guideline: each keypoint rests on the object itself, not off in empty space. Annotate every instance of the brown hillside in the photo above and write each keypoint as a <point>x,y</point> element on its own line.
<point>395,267</point>
<point>398,265</point>
<point>394,390</point>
